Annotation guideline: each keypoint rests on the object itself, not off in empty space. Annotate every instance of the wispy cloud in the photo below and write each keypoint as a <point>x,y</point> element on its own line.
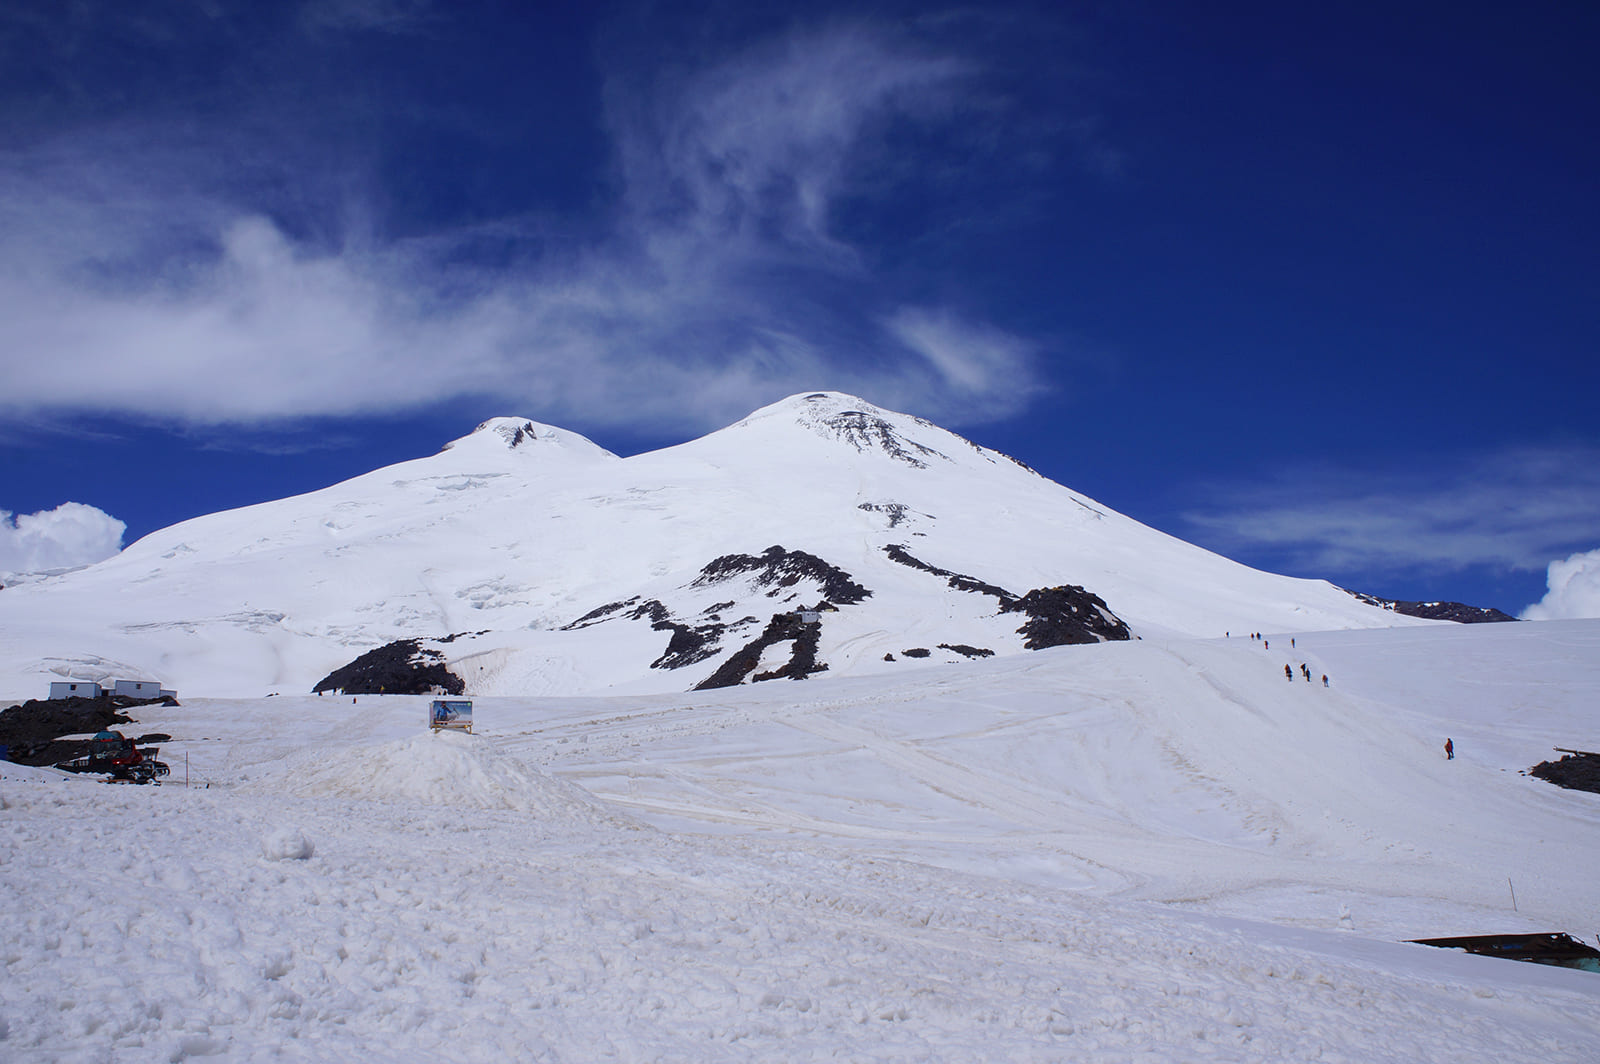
<point>1513,510</point>
<point>195,277</point>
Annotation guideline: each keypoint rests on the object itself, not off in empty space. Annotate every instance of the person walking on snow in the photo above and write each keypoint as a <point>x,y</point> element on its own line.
<point>1449,750</point>
<point>1324,679</point>
<point>1288,674</point>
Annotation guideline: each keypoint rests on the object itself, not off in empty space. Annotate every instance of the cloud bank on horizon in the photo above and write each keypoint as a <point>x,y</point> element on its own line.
<point>216,276</point>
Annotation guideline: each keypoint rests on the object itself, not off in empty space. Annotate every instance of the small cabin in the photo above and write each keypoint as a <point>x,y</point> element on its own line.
<point>142,689</point>
<point>75,689</point>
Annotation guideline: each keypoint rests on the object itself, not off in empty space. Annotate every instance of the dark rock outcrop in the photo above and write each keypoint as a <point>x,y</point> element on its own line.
<point>1061,616</point>
<point>403,667</point>
<point>1435,611</point>
<point>689,643</point>
<point>783,627</point>
<point>967,651</point>
<point>1057,616</point>
<point>778,568</point>
<point>1578,772</point>
<point>898,553</point>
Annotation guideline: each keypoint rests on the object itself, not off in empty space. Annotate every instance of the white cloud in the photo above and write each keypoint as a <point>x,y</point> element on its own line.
<point>1574,590</point>
<point>72,534</point>
<point>142,274</point>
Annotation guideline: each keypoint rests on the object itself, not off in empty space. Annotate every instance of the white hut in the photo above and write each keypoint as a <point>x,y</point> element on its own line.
<point>75,689</point>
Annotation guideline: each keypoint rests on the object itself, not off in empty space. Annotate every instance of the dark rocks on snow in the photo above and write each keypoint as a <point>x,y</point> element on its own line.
<point>1578,772</point>
<point>453,636</point>
<point>778,568</point>
<point>691,643</point>
<point>895,511</point>
<point>1057,616</point>
<point>1436,611</point>
<point>403,667</point>
<point>966,651</point>
<point>917,652</point>
<point>865,432</point>
<point>32,731</point>
<point>1061,616</point>
<point>601,613</point>
<point>898,553</point>
<point>783,627</point>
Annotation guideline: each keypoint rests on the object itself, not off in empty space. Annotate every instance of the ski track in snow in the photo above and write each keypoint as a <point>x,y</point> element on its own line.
<point>1114,853</point>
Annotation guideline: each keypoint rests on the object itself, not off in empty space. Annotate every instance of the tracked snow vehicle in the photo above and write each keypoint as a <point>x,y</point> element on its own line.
<point>121,758</point>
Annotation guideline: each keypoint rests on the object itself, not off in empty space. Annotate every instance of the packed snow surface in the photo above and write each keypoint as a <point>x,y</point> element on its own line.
<point>1148,851</point>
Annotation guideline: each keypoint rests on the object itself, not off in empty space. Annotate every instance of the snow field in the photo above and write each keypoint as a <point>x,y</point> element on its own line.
<point>1068,856</point>
<point>421,933</point>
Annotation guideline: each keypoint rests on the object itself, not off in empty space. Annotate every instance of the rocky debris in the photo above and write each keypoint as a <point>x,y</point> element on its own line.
<point>603,613</point>
<point>32,731</point>
<point>1575,771</point>
<point>896,511</point>
<point>966,651</point>
<point>689,643</point>
<point>917,652</point>
<point>777,568</point>
<point>1435,611</point>
<point>1066,615</point>
<point>898,553</point>
<point>453,636</point>
<point>782,628</point>
<point>867,432</point>
<point>403,667</point>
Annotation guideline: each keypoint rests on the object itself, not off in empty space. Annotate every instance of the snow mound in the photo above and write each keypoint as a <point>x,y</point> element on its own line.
<point>453,769</point>
<point>287,844</point>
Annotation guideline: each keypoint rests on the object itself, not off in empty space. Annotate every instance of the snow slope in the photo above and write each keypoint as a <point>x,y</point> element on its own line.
<point>514,533</point>
<point>1159,850</point>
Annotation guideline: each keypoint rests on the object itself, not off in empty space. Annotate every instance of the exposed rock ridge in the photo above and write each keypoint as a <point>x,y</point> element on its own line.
<point>689,643</point>
<point>1436,611</point>
<point>1057,616</point>
<point>403,667</point>
<point>778,568</point>
<point>783,627</point>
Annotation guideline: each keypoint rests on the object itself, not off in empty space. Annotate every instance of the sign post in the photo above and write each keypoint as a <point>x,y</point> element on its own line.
<point>450,713</point>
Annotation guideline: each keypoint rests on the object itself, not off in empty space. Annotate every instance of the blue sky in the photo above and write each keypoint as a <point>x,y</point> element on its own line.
<point>1312,286</point>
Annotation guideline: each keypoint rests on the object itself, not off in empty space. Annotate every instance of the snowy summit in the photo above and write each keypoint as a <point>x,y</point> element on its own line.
<point>530,560</point>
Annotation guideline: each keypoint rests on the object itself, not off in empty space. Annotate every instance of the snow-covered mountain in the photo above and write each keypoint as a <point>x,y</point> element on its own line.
<point>532,561</point>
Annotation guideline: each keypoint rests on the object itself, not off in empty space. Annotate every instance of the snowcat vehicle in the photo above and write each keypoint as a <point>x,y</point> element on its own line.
<point>121,758</point>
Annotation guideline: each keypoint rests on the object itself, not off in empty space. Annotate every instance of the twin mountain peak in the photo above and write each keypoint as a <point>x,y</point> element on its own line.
<point>821,533</point>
